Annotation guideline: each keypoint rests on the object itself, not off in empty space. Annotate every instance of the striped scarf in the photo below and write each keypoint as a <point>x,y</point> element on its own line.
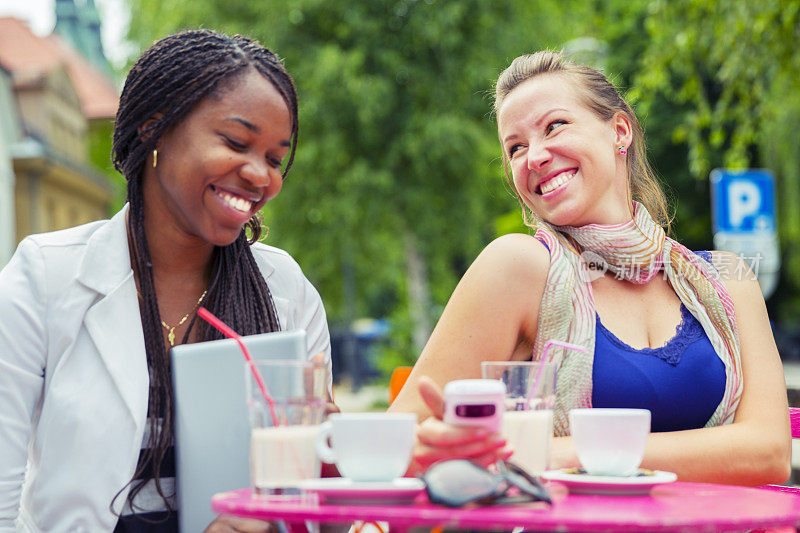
<point>637,251</point>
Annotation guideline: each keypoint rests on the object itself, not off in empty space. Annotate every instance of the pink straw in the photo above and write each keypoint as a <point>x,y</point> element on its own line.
<point>542,362</point>
<point>226,330</point>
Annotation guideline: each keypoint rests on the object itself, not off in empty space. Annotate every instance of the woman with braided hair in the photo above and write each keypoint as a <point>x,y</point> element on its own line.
<point>205,133</point>
<point>685,335</point>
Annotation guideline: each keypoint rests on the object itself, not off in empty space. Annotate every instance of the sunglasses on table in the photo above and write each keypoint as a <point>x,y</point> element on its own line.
<point>458,482</point>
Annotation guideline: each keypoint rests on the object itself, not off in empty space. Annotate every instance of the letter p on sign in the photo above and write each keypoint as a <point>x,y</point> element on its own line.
<point>744,200</point>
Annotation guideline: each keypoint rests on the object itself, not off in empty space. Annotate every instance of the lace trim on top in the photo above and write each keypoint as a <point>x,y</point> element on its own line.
<point>687,332</point>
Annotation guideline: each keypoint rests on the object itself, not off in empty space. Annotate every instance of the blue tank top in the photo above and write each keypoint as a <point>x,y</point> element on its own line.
<point>681,383</point>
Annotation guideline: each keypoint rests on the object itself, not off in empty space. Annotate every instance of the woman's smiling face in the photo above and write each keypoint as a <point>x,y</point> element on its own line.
<point>563,158</point>
<point>220,164</point>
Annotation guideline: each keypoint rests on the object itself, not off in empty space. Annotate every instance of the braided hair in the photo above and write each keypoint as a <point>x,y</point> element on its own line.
<point>161,89</point>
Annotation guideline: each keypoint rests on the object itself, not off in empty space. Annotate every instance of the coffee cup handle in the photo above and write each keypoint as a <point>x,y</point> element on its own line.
<point>324,451</point>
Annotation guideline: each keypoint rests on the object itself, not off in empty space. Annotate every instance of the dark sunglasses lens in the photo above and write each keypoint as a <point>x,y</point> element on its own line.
<point>526,483</point>
<point>459,482</point>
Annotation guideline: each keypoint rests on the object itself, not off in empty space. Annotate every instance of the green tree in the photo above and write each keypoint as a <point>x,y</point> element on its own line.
<point>730,69</point>
<point>397,182</point>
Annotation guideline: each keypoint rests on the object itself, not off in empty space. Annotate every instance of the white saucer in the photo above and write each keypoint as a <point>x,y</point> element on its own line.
<point>580,483</point>
<point>334,490</point>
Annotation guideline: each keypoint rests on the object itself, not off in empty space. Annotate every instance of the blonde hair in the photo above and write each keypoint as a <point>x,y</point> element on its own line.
<point>602,98</point>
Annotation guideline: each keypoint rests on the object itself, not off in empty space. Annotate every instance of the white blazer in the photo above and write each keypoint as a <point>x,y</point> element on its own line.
<point>73,372</point>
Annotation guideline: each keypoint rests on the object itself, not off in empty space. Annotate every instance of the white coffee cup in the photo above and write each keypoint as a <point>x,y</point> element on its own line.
<point>610,442</point>
<point>368,446</point>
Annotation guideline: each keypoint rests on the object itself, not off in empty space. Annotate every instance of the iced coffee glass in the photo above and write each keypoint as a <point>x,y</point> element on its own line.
<point>528,415</point>
<point>282,451</point>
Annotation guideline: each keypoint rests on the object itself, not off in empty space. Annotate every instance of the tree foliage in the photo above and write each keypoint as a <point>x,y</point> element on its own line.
<point>398,155</point>
<point>730,71</point>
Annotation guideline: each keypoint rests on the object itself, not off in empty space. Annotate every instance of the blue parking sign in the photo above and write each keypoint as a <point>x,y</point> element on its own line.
<point>743,201</point>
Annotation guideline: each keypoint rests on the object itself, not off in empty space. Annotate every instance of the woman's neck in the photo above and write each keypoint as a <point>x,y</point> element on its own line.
<point>177,256</point>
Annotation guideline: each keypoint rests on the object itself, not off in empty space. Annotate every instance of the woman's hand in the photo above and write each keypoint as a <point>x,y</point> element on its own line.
<point>329,469</point>
<point>331,408</point>
<point>437,440</point>
<point>233,524</point>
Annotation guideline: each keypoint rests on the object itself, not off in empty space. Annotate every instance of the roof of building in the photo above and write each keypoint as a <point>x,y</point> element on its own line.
<point>79,23</point>
<point>27,55</point>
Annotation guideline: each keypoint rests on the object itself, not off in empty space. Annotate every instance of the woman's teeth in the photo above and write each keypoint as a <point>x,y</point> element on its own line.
<point>558,181</point>
<point>235,202</point>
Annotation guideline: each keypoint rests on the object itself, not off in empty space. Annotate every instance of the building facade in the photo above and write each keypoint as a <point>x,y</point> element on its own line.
<point>51,98</point>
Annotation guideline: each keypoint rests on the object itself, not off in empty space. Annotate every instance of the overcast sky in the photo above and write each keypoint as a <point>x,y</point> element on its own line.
<point>41,16</point>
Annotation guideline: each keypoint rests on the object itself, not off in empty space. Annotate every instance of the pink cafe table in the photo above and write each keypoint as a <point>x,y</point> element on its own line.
<point>677,506</point>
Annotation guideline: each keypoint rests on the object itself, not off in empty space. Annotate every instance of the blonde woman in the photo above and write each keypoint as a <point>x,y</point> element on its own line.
<point>685,335</point>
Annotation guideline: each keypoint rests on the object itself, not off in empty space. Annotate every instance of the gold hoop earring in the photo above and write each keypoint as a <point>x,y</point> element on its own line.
<point>155,158</point>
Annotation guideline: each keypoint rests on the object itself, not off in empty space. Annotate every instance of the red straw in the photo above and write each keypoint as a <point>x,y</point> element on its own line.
<point>226,330</point>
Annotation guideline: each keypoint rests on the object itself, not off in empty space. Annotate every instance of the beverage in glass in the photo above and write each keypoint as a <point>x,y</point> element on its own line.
<point>528,417</point>
<point>282,443</point>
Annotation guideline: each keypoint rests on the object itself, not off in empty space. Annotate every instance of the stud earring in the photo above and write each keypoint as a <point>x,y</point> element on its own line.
<point>621,149</point>
<point>155,158</point>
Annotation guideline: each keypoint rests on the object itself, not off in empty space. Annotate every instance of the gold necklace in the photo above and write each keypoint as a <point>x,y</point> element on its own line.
<point>171,329</point>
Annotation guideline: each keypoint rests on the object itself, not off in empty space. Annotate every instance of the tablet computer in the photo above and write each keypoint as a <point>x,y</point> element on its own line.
<point>212,429</point>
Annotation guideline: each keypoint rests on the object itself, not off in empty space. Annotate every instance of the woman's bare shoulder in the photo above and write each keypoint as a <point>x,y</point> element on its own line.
<point>739,276</point>
<point>517,254</point>
<point>512,269</point>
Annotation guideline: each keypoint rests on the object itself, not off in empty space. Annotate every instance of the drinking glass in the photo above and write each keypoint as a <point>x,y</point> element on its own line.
<point>282,449</point>
<point>528,417</point>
